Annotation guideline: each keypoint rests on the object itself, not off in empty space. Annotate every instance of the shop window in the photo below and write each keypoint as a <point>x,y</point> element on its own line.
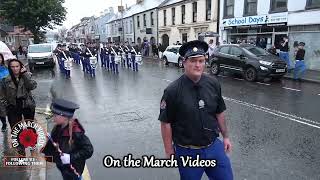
<point>228,8</point>
<point>194,12</point>
<point>173,16</point>
<point>164,17</point>
<point>183,13</point>
<point>250,7</point>
<point>208,10</point>
<point>313,4</point>
<point>278,6</point>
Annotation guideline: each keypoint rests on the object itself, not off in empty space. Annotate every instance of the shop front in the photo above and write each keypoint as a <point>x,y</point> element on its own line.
<point>263,30</point>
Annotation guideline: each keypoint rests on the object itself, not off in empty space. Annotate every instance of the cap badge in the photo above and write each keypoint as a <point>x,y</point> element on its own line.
<point>195,49</point>
<point>201,104</point>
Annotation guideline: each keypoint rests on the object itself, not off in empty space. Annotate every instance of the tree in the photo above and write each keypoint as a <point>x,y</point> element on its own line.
<point>62,33</point>
<point>34,15</point>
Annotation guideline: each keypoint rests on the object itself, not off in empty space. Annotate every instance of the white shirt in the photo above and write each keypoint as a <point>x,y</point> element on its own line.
<point>211,49</point>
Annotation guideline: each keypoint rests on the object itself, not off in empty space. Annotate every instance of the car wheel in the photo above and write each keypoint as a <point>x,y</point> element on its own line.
<point>180,63</point>
<point>214,68</point>
<point>166,62</point>
<point>250,74</point>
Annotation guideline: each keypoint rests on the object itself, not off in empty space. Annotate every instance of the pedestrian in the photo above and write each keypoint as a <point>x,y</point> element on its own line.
<point>16,95</point>
<point>212,46</point>
<point>154,50</point>
<point>192,114</point>
<point>68,145</point>
<point>300,66</point>
<point>3,74</point>
<point>284,52</point>
<point>20,50</point>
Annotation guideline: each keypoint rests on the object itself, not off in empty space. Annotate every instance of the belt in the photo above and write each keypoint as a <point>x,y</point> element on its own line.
<point>195,147</point>
<point>299,60</point>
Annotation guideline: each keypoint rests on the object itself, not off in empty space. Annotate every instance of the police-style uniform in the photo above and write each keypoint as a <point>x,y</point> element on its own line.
<point>191,109</point>
<point>68,147</point>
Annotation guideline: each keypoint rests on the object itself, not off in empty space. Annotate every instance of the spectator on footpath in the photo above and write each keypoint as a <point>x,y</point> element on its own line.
<point>212,46</point>
<point>16,93</point>
<point>20,50</point>
<point>14,52</point>
<point>155,50</point>
<point>300,66</point>
<point>284,52</point>
<point>3,74</point>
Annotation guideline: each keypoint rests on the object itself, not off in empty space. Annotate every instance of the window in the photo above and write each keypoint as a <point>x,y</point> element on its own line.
<point>183,13</point>
<point>194,11</point>
<point>144,20</point>
<point>228,8</point>
<point>224,50</point>
<point>131,25</point>
<point>311,4</point>
<point>138,21</point>
<point>278,6</point>
<point>151,17</point>
<point>208,10</point>
<point>164,17</point>
<point>173,16</point>
<point>250,7</point>
<point>235,51</point>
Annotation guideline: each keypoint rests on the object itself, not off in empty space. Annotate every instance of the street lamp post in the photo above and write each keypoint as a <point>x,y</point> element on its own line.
<point>122,24</point>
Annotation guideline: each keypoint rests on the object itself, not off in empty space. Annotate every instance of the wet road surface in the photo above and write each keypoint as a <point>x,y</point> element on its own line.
<point>274,126</point>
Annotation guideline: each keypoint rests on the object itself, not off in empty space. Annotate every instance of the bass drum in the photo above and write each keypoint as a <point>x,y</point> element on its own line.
<point>68,64</point>
<point>139,59</point>
<point>117,59</point>
<point>93,62</point>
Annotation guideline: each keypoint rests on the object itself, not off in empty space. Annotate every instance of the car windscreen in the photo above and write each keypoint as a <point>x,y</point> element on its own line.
<point>40,49</point>
<point>256,51</point>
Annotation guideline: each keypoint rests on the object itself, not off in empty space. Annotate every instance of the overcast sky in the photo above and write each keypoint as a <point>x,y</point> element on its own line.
<point>76,9</point>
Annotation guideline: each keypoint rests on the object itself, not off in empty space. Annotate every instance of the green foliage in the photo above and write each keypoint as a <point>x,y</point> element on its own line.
<point>34,15</point>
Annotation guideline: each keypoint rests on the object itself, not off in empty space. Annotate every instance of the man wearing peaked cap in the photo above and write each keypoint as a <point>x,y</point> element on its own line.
<point>191,129</point>
<point>68,136</point>
<point>193,49</point>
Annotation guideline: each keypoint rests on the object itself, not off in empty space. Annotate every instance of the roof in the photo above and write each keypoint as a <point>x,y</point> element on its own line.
<point>142,7</point>
<point>169,2</point>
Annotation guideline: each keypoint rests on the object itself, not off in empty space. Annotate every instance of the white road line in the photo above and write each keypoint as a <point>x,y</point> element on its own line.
<point>238,79</point>
<point>205,73</point>
<point>318,94</point>
<point>263,83</point>
<point>167,80</point>
<point>290,117</point>
<point>298,90</point>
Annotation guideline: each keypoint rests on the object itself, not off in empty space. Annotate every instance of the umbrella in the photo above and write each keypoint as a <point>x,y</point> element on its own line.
<point>5,51</point>
<point>209,34</point>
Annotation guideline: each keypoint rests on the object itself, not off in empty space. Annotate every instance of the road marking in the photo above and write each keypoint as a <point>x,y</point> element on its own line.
<point>318,94</point>
<point>238,79</point>
<point>167,80</point>
<point>205,73</point>
<point>263,83</point>
<point>298,90</point>
<point>86,174</point>
<point>290,117</point>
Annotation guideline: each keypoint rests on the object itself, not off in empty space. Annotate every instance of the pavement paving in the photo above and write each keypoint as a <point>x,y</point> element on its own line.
<point>274,126</point>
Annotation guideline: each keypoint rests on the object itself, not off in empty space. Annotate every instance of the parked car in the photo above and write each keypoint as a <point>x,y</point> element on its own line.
<point>251,61</point>
<point>41,55</point>
<point>171,55</point>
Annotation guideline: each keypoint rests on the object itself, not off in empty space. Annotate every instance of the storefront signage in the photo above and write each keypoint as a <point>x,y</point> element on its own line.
<point>255,20</point>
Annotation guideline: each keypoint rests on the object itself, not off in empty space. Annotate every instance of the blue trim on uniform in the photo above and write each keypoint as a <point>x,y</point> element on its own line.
<point>222,170</point>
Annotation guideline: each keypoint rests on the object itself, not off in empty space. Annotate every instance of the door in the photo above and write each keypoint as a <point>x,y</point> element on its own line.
<point>223,57</point>
<point>237,60</point>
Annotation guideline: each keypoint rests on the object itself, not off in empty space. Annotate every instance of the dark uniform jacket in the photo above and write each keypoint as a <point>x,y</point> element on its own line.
<point>85,53</point>
<point>191,110</point>
<point>80,150</point>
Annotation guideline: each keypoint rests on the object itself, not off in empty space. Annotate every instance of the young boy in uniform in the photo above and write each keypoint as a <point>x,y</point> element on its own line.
<point>68,144</point>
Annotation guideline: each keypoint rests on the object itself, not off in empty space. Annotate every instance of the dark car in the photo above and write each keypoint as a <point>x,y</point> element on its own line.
<point>251,61</point>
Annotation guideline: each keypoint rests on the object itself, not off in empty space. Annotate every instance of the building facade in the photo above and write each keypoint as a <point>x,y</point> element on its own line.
<point>268,21</point>
<point>183,21</point>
